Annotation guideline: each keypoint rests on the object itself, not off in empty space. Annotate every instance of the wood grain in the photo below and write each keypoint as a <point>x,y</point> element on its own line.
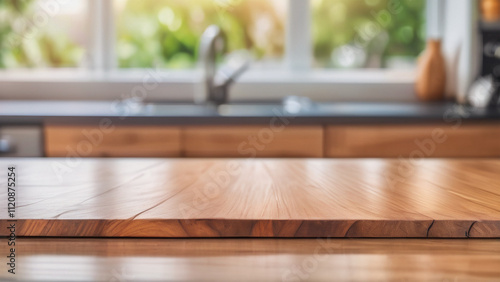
<point>256,198</point>
<point>416,141</point>
<point>55,259</point>
<point>112,141</point>
<point>253,141</point>
<point>339,141</point>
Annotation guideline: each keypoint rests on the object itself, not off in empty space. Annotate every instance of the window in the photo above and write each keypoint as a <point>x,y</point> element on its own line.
<point>41,34</point>
<point>165,33</point>
<point>367,33</point>
<point>283,36</point>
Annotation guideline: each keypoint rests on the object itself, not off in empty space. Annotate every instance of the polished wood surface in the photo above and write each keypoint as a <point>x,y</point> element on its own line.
<point>253,141</point>
<point>257,198</point>
<point>416,141</point>
<point>260,141</point>
<point>112,141</point>
<point>47,259</point>
<point>192,141</point>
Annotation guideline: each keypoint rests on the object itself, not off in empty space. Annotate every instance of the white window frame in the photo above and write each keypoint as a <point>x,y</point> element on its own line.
<point>103,81</point>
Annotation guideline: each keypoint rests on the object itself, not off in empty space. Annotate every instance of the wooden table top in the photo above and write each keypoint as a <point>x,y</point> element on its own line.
<point>254,198</point>
<point>87,259</point>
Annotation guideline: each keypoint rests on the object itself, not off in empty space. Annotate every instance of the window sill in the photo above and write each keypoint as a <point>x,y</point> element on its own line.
<point>170,86</point>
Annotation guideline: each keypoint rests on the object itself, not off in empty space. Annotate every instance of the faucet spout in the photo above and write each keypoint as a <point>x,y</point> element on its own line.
<point>217,82</point>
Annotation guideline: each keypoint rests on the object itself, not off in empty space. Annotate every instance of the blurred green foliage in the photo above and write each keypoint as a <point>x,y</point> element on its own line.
<point>165,33</point>
<point>341,22</point>
<point>26,43</point>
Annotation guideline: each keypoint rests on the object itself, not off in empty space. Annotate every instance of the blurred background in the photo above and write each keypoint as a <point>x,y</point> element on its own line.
<point>165,33</point>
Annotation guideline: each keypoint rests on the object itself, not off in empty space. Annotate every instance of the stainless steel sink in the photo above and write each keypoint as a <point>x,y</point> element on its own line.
<point>181,110</point>
<point>289,106</point>
<point>178,110</point>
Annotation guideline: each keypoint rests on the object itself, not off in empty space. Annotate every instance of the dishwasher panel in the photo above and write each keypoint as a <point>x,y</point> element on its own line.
<point>21,141</point>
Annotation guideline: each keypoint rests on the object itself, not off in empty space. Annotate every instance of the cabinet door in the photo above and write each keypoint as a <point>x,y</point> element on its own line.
<point>415,141</point>
<point>253,141</point>
<point>118,141</point>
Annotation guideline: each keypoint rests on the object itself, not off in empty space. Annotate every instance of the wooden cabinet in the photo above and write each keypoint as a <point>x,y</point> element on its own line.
<point>414,141</point>
<point>192,141</point>
<point>112,141</point>
<point>263,141</point>
<point>253,141</point>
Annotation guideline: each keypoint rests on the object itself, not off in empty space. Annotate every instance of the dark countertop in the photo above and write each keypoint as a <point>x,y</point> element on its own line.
<point>92,112</point>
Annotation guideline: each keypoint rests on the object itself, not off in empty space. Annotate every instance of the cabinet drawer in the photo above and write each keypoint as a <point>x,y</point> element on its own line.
<point>253,141</point>
<point>416,141</point>
<point>116,141</point>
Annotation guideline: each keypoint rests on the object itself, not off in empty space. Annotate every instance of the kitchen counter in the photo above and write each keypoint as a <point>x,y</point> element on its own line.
<point>123,112</point>
<point>306,198</point>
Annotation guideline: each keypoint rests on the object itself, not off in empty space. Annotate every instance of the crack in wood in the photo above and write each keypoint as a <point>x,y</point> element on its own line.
<point>429,229</point>
<point>467,233</point>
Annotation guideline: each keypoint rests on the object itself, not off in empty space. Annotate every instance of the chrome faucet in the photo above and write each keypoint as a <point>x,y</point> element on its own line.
<point>216,83</point>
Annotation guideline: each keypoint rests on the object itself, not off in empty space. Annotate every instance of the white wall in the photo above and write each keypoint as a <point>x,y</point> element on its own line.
<point>461,46</point>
